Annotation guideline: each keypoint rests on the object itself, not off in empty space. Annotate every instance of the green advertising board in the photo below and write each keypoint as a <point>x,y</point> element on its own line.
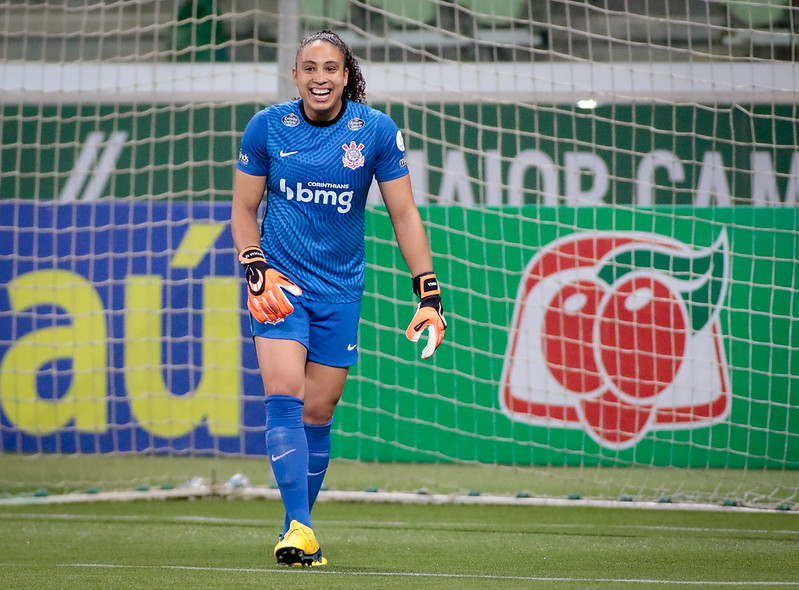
<point>731,400</point>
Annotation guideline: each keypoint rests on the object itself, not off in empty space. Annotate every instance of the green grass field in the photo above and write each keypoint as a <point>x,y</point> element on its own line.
<point>216,543</point>
<point>222,543</point>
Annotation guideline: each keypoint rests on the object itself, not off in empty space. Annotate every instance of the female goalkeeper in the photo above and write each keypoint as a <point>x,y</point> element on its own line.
<point>315,158</point>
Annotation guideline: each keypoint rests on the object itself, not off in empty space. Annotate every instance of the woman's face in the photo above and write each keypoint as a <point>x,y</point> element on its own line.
<point>320,77</point>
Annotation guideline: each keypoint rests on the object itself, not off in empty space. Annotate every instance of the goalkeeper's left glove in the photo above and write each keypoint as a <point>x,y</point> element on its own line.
<point>429,314</point>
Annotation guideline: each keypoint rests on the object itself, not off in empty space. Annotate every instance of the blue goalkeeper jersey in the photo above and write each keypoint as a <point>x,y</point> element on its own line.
<point>317,179</point>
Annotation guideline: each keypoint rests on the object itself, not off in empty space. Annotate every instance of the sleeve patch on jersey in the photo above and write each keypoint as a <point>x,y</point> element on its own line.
<point>244,158</point>
<point>400,142</point>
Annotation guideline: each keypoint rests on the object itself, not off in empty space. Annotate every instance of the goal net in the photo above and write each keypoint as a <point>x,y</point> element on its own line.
<point>610,190</point>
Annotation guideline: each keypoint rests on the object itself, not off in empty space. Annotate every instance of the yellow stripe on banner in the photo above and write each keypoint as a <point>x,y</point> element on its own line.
<point>197,242</point>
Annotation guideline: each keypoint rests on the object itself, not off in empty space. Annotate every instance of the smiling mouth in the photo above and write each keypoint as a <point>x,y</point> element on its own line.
<point>320,93</point>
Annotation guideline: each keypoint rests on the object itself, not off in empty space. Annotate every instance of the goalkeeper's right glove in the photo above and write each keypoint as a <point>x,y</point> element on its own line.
<point>265,297</point>
<point>429,314</point>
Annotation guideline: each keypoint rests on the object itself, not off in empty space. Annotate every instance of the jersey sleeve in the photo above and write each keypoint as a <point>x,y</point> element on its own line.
<point>252,152</point>
<point>391,162</point>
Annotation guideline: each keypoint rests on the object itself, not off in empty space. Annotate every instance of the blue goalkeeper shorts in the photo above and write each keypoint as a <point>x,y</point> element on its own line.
<point>329,331</point>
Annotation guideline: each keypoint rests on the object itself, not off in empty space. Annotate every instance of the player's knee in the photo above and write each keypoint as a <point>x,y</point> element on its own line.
<point>278,387</point>
<point>318,411</point>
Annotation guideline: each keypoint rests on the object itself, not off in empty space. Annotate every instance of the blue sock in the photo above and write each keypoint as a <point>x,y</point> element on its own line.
<point>318,437</point>
<point>287,448</point>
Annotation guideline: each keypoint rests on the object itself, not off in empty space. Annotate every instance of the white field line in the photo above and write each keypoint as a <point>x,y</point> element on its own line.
<point>190,519</point>
<point>564,579</point>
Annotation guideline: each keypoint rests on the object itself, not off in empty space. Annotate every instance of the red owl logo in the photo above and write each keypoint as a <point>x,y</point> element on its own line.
<point>619,334</point>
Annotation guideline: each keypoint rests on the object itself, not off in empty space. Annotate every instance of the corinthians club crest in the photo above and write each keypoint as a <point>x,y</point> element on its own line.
<point>618,334</point>
<point>353,157</point>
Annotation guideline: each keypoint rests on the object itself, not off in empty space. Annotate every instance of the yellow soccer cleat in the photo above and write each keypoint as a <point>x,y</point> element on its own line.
<point>299,547</point>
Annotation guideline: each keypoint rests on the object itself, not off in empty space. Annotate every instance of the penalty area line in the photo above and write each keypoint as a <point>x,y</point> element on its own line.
<point>564,579</point>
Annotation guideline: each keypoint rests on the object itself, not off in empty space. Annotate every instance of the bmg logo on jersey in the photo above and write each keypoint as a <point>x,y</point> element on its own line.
<point>323,193</point>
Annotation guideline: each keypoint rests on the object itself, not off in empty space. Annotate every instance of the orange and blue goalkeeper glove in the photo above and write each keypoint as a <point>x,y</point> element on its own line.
<point>429,314</point>
<point>266,299</point>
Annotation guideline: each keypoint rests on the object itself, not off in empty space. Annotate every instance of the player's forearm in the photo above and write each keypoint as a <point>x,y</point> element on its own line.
<point>244,227</point>
<point>247,194</point>
<point>407,223</point>
<point>413,244</point>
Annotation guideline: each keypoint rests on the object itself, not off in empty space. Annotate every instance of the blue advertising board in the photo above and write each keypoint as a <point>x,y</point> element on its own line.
<point>123,327</point>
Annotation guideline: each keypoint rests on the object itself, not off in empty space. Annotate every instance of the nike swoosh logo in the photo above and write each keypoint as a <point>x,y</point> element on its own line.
<point>281,455</point>
<point>257,282</point>
<point>310,473</point>
<point>284,154</point>
<point>352,346</point>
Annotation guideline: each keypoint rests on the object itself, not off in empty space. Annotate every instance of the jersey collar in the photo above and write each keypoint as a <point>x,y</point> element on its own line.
<point>332,121</point>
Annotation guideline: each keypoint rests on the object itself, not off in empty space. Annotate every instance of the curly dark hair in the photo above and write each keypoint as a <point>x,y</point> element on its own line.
<point>355,90</point>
